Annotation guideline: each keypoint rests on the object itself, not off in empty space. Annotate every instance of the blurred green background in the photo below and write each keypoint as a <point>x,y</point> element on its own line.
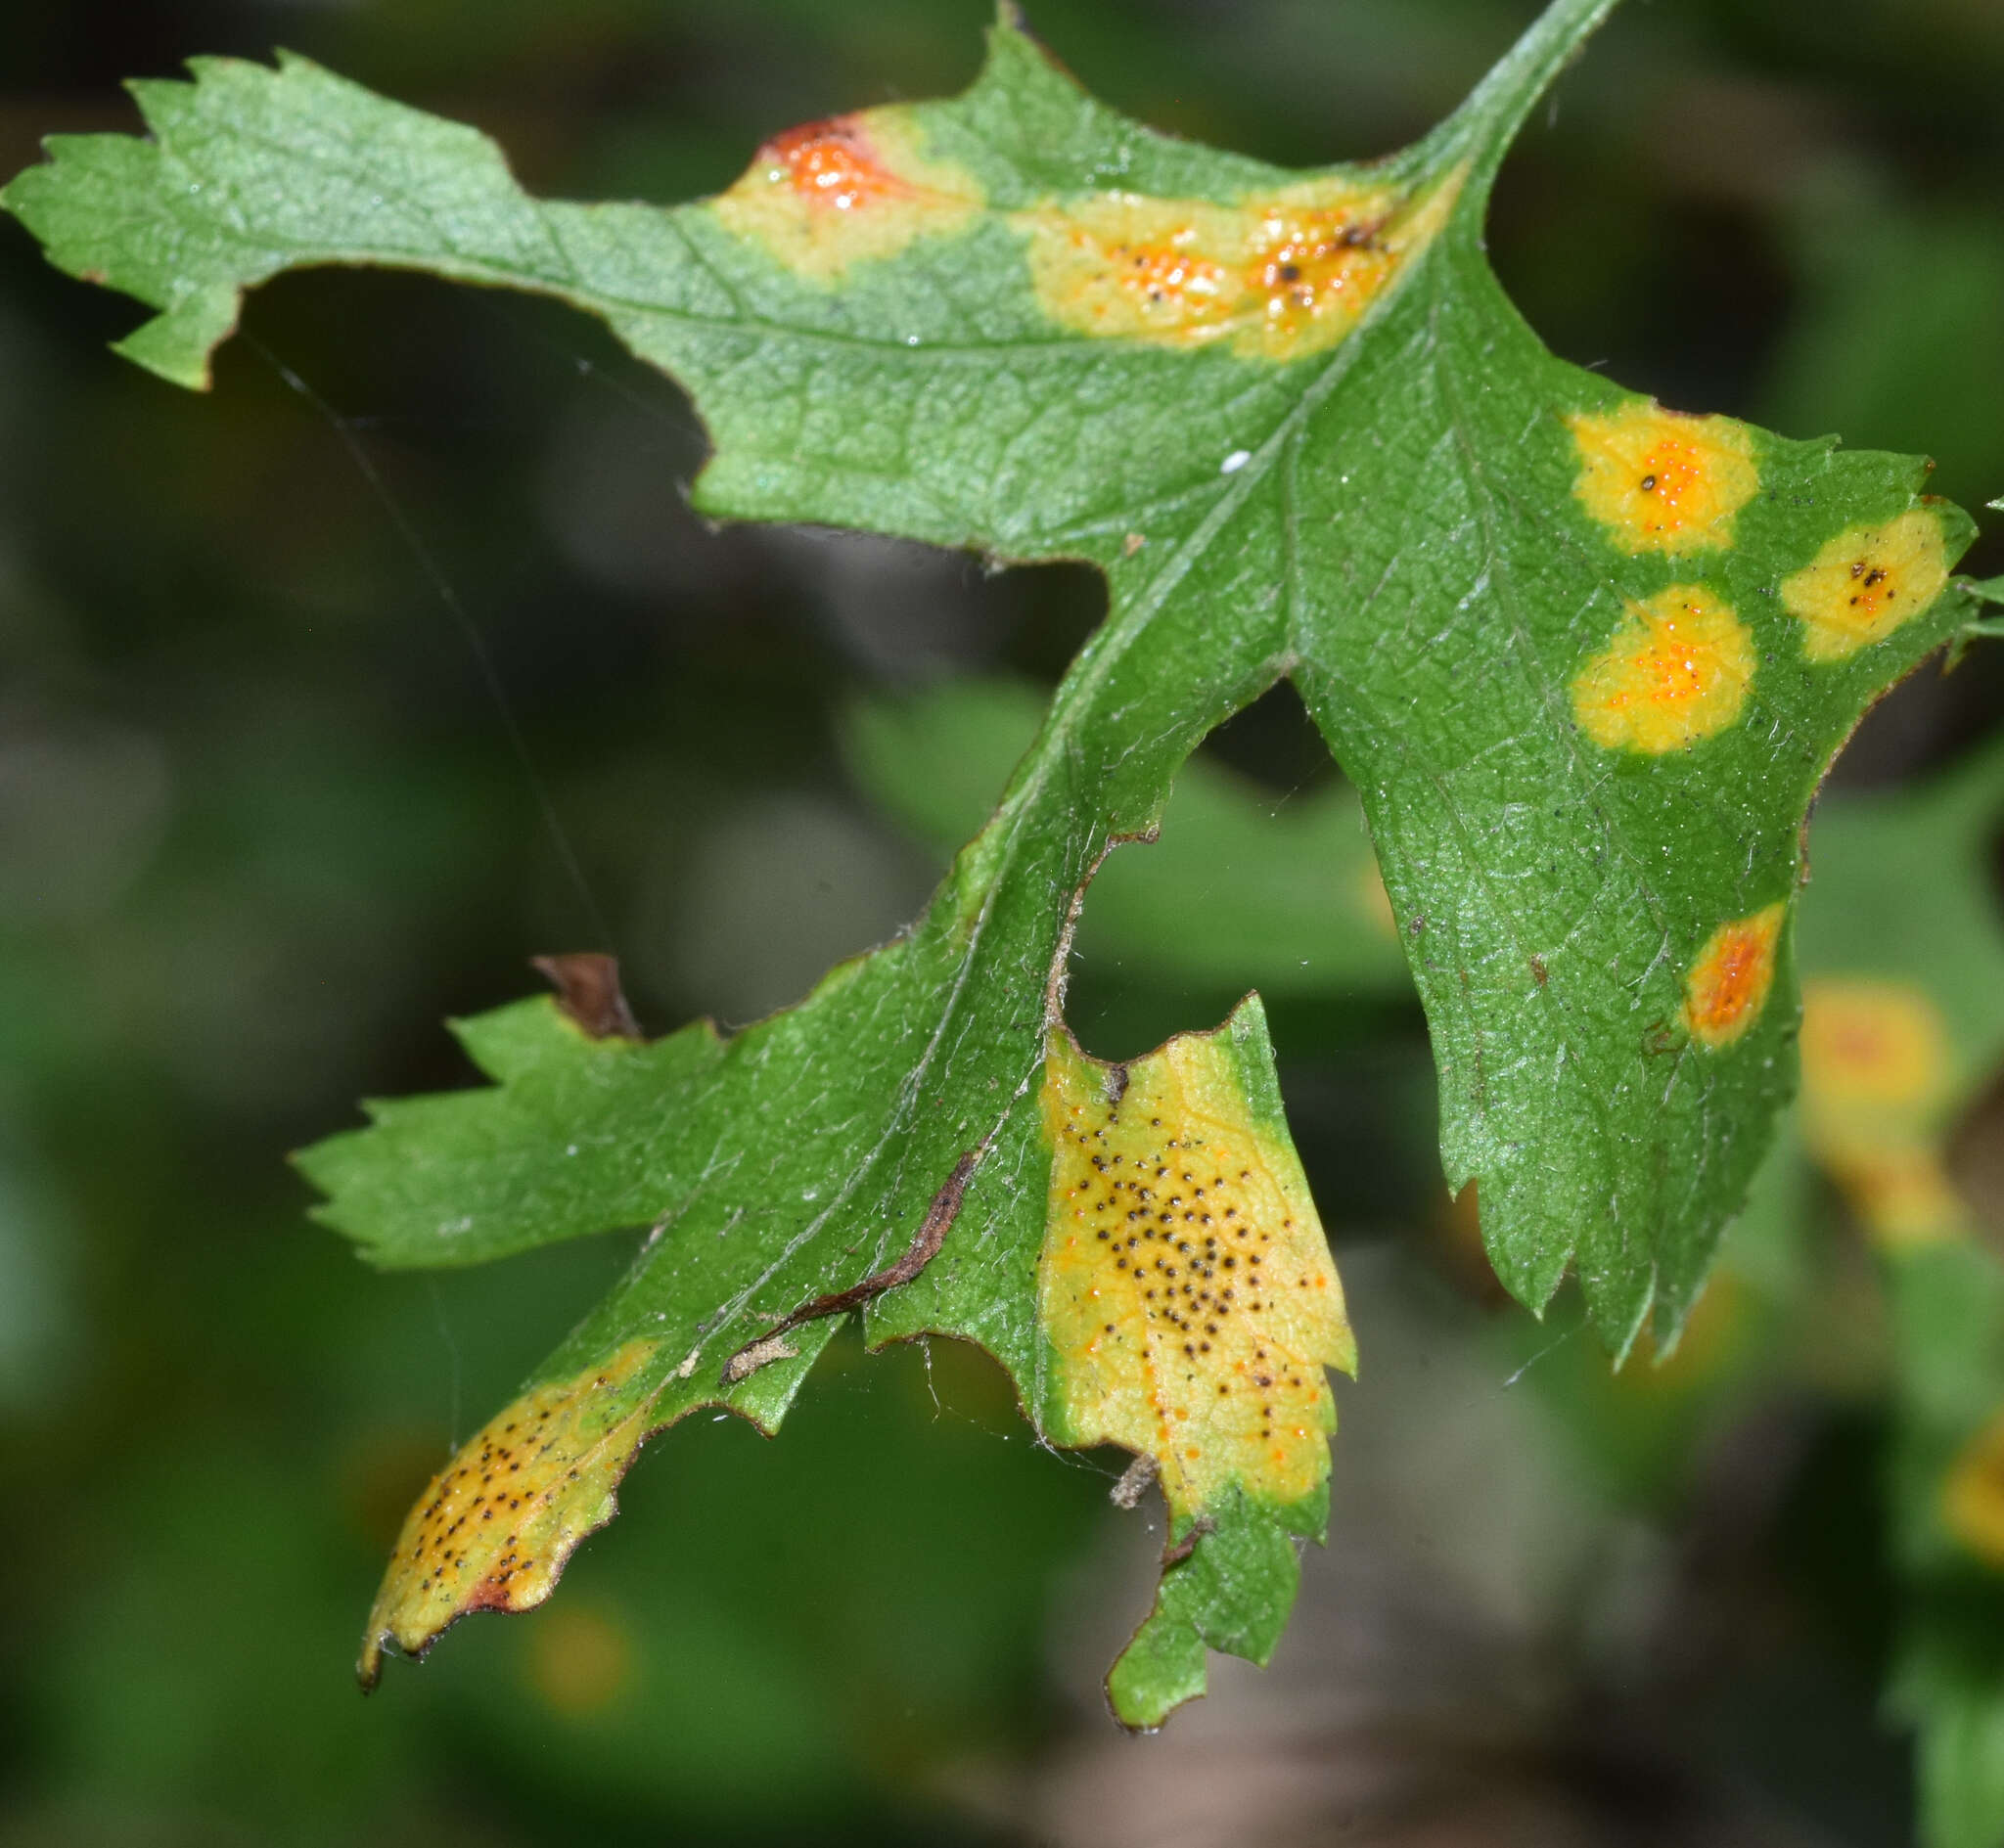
<point>264,821</point>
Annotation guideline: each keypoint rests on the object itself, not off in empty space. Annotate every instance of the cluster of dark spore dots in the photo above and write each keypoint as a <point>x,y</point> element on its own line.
<point>1305,262</point>
<point>1193,1258</point>
<point>487,1484</point>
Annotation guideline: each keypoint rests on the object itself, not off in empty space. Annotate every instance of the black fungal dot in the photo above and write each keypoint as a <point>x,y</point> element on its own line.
<point>1649,484</point>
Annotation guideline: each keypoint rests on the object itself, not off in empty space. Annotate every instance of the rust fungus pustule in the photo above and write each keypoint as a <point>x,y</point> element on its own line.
<point>494,1529</point>
<point>1186,1288</point>
<point>832,193</point>
<point>1866,582</point>
<point>1657,480</point>
<point>1729,981</point>
<point>1675,670</point>
<point>1877,1078</point>
<point>1277,277</point>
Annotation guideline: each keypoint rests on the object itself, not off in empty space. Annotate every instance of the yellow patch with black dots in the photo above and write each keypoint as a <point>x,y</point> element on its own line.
<point>1185,1284</point>
<point>1867,582</point>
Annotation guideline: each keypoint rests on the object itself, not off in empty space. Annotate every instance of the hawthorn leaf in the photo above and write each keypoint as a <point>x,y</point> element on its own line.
<point>1584,660</point>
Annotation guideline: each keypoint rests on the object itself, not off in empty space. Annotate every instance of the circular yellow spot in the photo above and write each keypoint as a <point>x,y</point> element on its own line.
<point>1676,671</point>
<point>1866,582</point>
<point>1659,481</point>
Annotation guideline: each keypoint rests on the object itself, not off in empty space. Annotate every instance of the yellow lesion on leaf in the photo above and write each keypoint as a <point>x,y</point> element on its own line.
<point>1660,481</point>
<point>1185,1284</point>
<point>1972,1496</point>
<point>1877,1076</point>
<point>1728,983</point>
<point>1866,582</point>
<point>1277,276</point>
<point>495,1527</point>
<point>1675,670</point>
<point>830,194</point>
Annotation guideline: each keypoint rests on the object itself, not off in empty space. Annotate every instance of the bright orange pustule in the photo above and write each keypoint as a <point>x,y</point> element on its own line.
<point>824,196</point>
<point>1727,987</point>
<point>832,164</point>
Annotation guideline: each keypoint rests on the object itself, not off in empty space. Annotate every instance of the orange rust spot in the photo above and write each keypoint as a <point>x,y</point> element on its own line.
<point>1278,277</point>
<point>832,164</point>
<point>1675,670</point>
<point>1727,987</point>
<point>1973,1497</point>
<point>1194,1325</point>
<point>832,193</point>
<point>495,1527</point>
<point>1866,582</point>
<point>1877,1082</point>
<point>1660,481</point>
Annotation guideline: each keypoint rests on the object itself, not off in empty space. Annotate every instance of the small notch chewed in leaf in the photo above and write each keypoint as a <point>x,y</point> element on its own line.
<point>1867,582</point>
<point>1728,984</point>
<point>589,995</point>
<point>1676,671</point>
<point>1189,1303</point>
<point>1660,481</point>
<point>497,1526</point>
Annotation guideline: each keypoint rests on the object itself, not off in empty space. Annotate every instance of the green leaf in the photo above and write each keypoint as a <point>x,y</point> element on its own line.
<point>1584,661</point>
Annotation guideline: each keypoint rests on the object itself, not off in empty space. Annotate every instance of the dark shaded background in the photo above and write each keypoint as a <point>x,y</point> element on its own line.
<point>262,825</point>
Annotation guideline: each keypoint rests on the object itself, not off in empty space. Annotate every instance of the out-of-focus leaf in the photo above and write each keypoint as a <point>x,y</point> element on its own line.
<point>1903,1025</point>
<point>1238,891</point>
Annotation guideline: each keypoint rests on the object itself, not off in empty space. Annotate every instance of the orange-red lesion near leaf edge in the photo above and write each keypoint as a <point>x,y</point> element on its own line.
<point>1727,987</point>
<point>828,193</point>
